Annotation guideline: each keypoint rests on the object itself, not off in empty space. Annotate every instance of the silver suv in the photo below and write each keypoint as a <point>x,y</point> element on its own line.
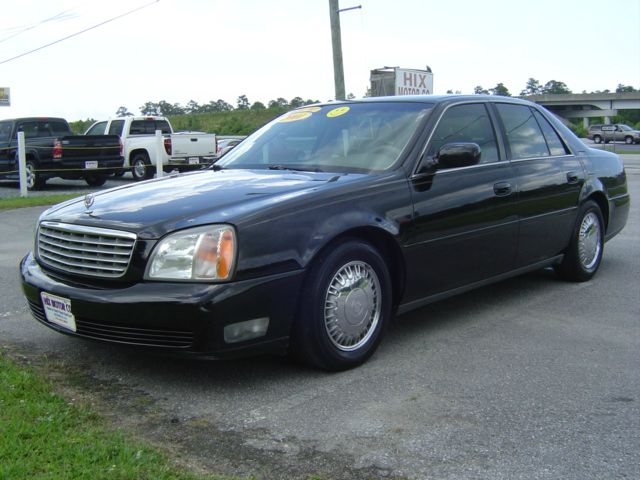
<point>615,132</point>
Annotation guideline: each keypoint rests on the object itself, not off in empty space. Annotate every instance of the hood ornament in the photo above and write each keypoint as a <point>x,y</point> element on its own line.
<point>89,199</point>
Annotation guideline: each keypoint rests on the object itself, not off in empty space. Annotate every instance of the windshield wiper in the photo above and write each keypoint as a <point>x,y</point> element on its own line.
<point>294,169</point>
<point>215,167</point>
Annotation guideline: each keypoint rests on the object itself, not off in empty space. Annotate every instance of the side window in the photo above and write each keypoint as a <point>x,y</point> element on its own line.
<point>30,129</point>
<point>97,129</point>
<point>60,129</point>
<point>524,136</point>
<point>116,127</point>
<point>466,123</point>
<point>555,144</point>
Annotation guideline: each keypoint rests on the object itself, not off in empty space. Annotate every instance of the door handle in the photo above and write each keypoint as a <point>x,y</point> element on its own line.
<point>502,189</point>
<point>572,177</point>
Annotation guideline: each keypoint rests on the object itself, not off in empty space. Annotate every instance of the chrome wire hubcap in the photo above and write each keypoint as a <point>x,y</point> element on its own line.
<point>352,306</point>
<point>589,241</point>
<point>31,177</point>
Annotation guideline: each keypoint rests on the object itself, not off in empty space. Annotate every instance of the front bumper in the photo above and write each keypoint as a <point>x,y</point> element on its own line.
<point>184,318</point>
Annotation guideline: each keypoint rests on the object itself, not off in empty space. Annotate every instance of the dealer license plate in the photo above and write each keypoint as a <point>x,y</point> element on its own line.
<point>91,164</point>
<point>194,160</point>
<point>58,311</point>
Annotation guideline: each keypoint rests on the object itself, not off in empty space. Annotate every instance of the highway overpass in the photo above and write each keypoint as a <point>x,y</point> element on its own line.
<point>588,105</point>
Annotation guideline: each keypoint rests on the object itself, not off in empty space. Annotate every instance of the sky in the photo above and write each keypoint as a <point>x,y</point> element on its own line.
<point>203,50</point>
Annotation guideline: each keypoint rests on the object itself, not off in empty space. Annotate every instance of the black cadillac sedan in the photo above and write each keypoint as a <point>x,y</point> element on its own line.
<point>313,232</point>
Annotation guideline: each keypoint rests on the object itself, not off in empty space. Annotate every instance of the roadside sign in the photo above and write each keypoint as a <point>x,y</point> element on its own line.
<point>413,82</point>
<point>5,98</point>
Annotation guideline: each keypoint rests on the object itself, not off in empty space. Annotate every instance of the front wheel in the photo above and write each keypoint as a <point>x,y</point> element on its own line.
<point>584,254</point>
<point>345,306</point>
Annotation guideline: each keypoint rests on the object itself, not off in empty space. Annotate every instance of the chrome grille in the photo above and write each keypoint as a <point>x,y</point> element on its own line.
<point>90,251</point>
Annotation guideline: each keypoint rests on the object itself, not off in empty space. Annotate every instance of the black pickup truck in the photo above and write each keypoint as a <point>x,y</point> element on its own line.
<point>53,151</point>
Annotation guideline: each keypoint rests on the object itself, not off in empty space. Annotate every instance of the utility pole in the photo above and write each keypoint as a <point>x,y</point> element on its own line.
<point>336,42</point>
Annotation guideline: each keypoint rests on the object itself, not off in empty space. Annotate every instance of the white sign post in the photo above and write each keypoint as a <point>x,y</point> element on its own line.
<point>22,165</point>
<point>159,155</point>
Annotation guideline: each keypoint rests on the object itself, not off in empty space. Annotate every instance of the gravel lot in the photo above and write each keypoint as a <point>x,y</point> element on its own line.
<point>531,378</point>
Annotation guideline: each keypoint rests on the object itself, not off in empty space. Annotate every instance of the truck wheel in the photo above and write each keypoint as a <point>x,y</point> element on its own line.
<point>95,180</point>
<point>34,179</point>
<point>597,139</point>
<point>628,140</point>
<point>141,168</point>
<point>118,173</point>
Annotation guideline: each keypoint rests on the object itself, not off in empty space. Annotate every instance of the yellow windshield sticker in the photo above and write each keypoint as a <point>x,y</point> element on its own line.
<point>295,116</point>
<point>336,112</point>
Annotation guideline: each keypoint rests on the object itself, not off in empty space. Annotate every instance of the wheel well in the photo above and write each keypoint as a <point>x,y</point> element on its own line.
<point>133,153</point>
<point>388,249</point>
<point>602,202</point>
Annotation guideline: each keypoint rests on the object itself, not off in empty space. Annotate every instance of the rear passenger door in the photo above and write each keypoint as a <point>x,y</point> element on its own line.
<point>548,179</point>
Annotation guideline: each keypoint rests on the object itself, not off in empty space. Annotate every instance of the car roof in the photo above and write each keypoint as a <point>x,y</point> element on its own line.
<point>433,99</point>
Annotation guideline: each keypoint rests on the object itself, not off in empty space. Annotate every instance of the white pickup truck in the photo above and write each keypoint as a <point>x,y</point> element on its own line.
<point>182,151</point>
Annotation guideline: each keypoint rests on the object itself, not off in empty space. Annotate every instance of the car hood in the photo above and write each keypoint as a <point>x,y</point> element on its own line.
<point>153,208</point>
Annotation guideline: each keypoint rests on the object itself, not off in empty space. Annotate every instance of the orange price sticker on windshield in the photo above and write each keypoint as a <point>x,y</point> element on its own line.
<point>295,116</point>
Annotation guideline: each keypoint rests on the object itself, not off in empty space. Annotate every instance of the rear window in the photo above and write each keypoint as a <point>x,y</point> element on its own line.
<point>148,127</point>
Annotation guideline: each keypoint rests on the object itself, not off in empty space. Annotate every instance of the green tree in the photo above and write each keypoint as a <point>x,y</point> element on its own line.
<point>192,107</point>
<point>242,103</point>
<point>532,87</point>
<point>296,102</point>
<point>258,106</point>
<point>123,112</point>
<point>625,88</point>
<point>150,108</point>
<point>278,103</point>
<point>500,89</point>
<point>480,91</point>
<point>553,87</point>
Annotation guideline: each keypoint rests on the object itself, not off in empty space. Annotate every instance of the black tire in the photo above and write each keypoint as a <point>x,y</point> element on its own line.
<point>628,140</point>
<point>118,173</point>
<point>141,168</point>
<point>346,335</point>
<point>35,181</point>
<point>597,139</point>
<point>584,255</point>
<point>95,179</point>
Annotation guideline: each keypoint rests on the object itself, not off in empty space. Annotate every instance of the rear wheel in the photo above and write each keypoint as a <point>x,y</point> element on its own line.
<point>628,140</point>
<point>597,139</point>
<point>141,168</point>
<point>345,307</point>
<point>34,178</point>
<point>584,254</point>
<point>95,180</point>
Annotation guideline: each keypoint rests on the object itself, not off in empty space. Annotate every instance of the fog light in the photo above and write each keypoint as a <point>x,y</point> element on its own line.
<point>241,331</point>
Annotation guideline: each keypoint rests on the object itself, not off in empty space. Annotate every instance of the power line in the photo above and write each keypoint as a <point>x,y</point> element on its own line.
<point>78,33</point>
<point>59,17</point>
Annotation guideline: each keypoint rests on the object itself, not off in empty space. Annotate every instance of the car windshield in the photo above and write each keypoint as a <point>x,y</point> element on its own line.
<point>357,137</point>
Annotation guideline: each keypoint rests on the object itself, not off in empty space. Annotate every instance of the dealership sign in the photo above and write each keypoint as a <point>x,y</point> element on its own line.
<point>413,82</point>
<point>5,98</point>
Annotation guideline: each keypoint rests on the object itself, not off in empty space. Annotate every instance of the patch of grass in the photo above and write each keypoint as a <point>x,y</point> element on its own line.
<point>20,202</point>
<point>43,436</point>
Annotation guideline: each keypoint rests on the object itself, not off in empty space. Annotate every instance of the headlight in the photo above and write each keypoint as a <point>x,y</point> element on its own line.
<point>198,254</point>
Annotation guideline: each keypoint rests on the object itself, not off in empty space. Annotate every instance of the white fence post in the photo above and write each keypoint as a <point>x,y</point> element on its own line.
<point>159,153</point>
<point>22,165</point>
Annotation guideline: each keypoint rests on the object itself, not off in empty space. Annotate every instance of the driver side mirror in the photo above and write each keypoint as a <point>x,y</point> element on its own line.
<point>460,154</point>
